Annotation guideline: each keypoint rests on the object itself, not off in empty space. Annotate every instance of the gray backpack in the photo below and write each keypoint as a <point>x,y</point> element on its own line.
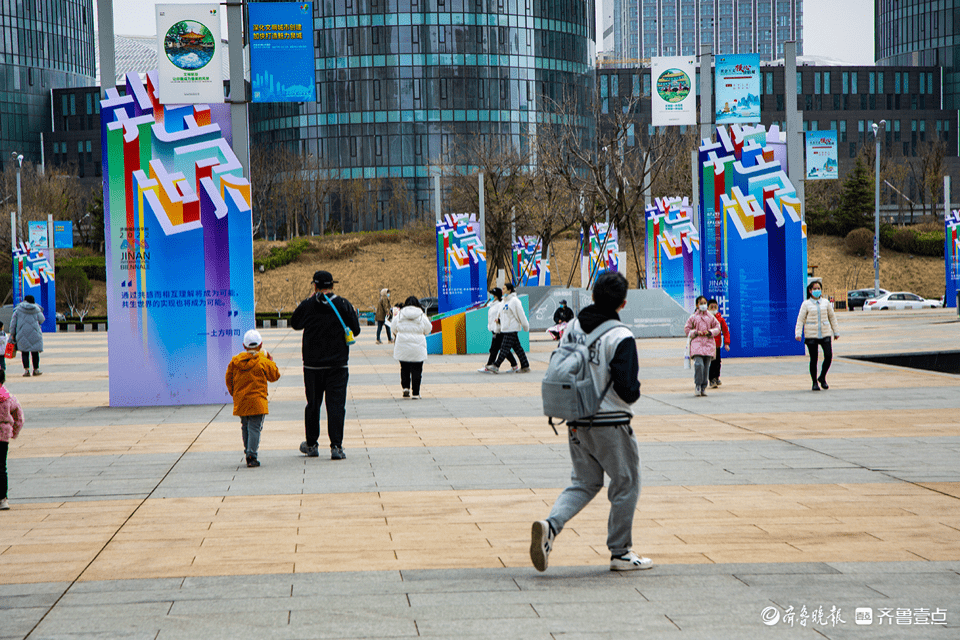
<point>567,389</point>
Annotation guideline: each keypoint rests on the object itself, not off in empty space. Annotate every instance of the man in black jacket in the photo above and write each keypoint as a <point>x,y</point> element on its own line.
<point>326,355</point>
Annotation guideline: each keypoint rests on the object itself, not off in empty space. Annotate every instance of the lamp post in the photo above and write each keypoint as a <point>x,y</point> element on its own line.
<point>19,158</point>
<point>876,211</point>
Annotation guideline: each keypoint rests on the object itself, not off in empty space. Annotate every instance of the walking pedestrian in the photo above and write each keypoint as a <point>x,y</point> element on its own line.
<point>247,376</point>
<point>382,314</point>
<point>603,443</point>
<point>817,322</point>
<point>701,328</point>
<point>512,321</point>
<point>326,320</point>
<point>411,328</point>
<point>11,421</point>
<point>493,325</point>
<point>26,333</point>
<point>722,340</point>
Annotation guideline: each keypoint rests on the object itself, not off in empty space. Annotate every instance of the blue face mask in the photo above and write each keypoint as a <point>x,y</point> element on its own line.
<point>816,293</point>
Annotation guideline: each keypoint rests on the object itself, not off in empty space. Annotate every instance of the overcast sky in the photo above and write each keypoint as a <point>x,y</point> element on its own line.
<point>840,29</point>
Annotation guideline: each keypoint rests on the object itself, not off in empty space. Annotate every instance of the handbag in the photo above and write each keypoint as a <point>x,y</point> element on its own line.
<point>686,352</point>
<point>347,332</point>
<point>10,350</point>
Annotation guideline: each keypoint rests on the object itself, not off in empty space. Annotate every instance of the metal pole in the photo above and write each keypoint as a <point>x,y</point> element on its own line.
<point>49,231</point>
<point>108,53</point>
<point>794,122</point>
<point>706,91</point>
<point>876,216</point>
<point>13,230</point>
<point>483,222</point>
<point>436,196</point>
<point>238,86</point>
<point>946,196</point>
<point>19,201</point>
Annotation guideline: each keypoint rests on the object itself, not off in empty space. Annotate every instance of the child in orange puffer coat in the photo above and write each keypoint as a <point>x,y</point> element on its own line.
<point>247,378</point>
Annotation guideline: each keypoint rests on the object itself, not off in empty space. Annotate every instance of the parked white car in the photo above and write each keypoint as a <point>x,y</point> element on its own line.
<point>900,300</point>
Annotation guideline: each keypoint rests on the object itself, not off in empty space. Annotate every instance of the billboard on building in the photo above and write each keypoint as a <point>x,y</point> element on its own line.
<point>674,96</point>
<point>753,241</point>
<point>821,151</point>
<point>737,91</point>
<point>672,250</point>
<point>179,248</point>
<point>188,53</point>
<point>282,63</point>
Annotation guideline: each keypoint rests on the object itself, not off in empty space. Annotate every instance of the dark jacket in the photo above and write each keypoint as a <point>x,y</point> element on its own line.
<point>625,365</point>
<point>562,314</point>
<point>324,345</point>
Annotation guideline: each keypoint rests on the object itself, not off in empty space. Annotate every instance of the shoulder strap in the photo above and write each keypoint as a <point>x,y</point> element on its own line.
<point>334,307</point>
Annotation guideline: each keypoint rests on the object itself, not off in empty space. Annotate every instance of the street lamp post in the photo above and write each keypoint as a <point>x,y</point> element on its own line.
<point>877,130</point>
<point>19,158</point>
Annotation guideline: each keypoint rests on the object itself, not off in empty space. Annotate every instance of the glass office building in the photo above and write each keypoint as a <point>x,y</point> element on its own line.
<point>921,33</point>
<point>43,45</point>
<point>402,84</point>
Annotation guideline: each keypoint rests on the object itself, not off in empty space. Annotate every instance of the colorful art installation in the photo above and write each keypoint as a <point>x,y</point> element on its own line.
<point>529,267</point>
<point>951,253</point>
<point>672,250</point>
<point>604,253</point>
<point>33,276</point>
<point>461,262</point>
<point>179,248</point>
<point>754,241</point>
<point>465,331</point>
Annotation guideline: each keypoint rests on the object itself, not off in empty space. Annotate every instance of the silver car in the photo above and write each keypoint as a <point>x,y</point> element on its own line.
<point>899,300</point>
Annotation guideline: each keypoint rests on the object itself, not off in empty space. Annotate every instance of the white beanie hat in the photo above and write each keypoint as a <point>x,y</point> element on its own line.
<point>252,339</point>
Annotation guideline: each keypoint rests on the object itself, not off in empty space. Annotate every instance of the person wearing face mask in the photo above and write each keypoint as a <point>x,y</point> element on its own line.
<point>701,329</point>
<point>818,324</point>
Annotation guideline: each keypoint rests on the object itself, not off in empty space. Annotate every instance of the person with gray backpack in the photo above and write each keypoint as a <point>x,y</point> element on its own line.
<point>592,382</point>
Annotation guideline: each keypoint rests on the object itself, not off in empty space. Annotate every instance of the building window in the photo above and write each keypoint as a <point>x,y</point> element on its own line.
<point>843,131</point>
<point>853,82</point>
<point>826,82</point>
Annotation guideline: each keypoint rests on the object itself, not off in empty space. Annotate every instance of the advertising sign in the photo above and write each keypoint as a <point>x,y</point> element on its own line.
<point>461,262</point>
<point>63,235</point>
<point>674,96</point>
<point>822,155</point>
<point>37,234</point>
<point>188,45</point>
<point>754,242</point>
<point>738,88</point>
<point>33,276</point>
<point>603,254</point>
<point>951,254</point>
<point>179,248</point>
<point>672,250</point>
<point>529,267</point>
<point>281,52</point>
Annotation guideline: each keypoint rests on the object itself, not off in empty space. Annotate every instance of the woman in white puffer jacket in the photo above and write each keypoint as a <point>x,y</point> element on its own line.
<point>818,323</point>
<point>410,326</point>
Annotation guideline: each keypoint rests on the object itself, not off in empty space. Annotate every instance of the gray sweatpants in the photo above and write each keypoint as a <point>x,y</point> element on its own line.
<point>593,451</point>
<point>701,370</point>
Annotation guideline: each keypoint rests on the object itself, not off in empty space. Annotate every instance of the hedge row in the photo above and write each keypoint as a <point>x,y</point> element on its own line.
<point>95,267</point>
<point>913,241</point>
<point>281,256</point>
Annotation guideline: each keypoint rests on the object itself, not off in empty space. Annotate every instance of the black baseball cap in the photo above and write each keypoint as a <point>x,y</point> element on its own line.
<point>323,279</point>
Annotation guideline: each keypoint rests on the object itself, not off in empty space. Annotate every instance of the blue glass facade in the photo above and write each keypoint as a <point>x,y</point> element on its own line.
<point>43,45</point>
<point>402,83</point>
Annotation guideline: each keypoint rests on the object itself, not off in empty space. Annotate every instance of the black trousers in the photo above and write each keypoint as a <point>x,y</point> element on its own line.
<point>411,372</point>
<point>715,366</point>
<point>495,345</point>
<point>512,341</point>
<point>333,383</point>
<point>827,345</point>
<point>4,446</point>
<point>25,357</point>
<point>380,325</point>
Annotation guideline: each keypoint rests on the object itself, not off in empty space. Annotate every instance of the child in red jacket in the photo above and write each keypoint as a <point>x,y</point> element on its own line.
<point>723,339</point>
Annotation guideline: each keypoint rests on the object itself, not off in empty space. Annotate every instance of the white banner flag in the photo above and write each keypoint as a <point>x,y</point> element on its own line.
<point>674,98</point>
<point>188,57</point>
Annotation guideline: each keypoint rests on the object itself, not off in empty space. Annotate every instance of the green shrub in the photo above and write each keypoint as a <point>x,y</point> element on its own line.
<point>820,222</point>
<point>281,256</point>
<point>95,267</point>
<point>859,242</point>
<point>904,241</point>
<point>930,243</point>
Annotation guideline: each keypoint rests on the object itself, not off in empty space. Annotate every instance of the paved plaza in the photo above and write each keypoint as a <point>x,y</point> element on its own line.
<point>769,511</point>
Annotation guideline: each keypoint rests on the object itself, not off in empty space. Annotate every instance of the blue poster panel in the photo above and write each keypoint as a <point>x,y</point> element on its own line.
<point>63,235</point>
<point>821,151</point>
<point>951,255</point>
<point>753,241</point>
<point>461,263</point>
<point>281,52</point>
<point>672,250</point>
<point>738,88</point>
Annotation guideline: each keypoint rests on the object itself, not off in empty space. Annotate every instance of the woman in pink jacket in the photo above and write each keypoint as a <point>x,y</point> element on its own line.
<point>701,328</point>
<point>11,421</point>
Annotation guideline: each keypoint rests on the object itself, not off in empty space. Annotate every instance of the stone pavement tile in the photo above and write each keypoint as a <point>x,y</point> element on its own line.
<point>16,622</point>
<point>253,601</point>
<point>328,624</point>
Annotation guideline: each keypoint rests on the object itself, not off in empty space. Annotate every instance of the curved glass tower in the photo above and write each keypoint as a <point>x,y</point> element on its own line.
<point>43,46</point>
<point>400,83</point>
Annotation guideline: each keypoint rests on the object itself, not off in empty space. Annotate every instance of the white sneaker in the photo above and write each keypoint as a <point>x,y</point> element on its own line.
<point>4,505</point>
<point>630,562</point>
<point>417,398</point>
<point>491,369</point>
<point>541,544</point>
<point>515,369</point>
